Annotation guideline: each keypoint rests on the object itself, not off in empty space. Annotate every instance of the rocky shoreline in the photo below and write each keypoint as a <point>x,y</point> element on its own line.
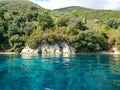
<point>8,52</point>
<point>64,48</point>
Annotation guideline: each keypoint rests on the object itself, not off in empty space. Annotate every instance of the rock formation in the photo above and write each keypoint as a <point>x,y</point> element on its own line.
<point>67,49</point>
<point>116,51</point>
<point>28,50</point>
<point>64,48</point>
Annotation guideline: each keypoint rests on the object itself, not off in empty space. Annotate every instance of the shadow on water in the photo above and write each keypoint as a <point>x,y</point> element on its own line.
<point>60,72</point>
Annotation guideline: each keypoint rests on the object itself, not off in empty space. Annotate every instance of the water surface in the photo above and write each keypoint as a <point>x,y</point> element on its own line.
<point>60,72</point>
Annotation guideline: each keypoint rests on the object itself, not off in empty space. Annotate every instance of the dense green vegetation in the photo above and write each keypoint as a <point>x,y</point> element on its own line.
<point>24,23</point>
<point>18,19</point>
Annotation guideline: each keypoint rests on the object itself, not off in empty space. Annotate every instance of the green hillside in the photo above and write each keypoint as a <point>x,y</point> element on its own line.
<point>18,19</point>
<point>90,14</point>
<point>25,23</point>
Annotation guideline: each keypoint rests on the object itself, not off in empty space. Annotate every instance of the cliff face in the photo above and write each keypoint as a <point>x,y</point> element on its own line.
<point>64,48</point>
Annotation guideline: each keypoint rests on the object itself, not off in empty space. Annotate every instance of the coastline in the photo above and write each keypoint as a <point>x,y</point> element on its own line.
<point>101,52</point>
<point>8,53</point>
<point>107,52</point>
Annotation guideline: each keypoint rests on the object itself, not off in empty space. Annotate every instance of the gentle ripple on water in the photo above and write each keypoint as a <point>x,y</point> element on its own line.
<point>60,72</point>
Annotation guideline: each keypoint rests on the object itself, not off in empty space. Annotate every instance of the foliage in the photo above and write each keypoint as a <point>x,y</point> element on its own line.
<point>89,41</point>
<point>117,43</point>
<point>48,37</point>
<point>18,19</point>
<point>22,23</point>
<point>45,21</point>
<point>16,42</point>
<point>62,21</point>
<point>112,24</point>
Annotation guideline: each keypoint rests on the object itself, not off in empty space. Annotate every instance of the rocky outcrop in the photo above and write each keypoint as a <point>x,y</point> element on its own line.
<point>28,50</point>
<point>50,49</point>
<point>68,49</point>
<point>115,50</point>
<point>64,48</point>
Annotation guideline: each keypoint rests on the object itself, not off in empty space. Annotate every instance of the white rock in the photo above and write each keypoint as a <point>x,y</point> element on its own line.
<point>50,49</point>
<point>72,49</point>
<point>36,51</point>
<point>66,49</point>
<point>25,50</point>
<point>57,49</point>
<point>58,52</point>
<point>116,51</point>
<point>28,50</point>
<point>43,49</point>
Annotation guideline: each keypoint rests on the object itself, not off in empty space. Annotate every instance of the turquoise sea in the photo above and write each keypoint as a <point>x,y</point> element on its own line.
<point>60,72</point>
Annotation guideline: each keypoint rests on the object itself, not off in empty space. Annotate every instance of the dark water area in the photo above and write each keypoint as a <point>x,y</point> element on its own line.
<point>60,72</point>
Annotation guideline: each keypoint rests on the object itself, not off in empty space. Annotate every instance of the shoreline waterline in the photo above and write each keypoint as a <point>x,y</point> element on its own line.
<point>8,53</point>
<point>102,52</point>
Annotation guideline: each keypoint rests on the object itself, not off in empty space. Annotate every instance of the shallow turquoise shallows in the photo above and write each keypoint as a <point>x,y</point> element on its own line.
<point>60,72</point>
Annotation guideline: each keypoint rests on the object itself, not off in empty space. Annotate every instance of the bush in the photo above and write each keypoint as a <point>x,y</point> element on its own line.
<point>89,41</point>
<point>117,43</point>
<point>16,42</point>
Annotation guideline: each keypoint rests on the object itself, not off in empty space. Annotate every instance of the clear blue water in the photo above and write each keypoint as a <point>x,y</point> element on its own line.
<point>68,72</point>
